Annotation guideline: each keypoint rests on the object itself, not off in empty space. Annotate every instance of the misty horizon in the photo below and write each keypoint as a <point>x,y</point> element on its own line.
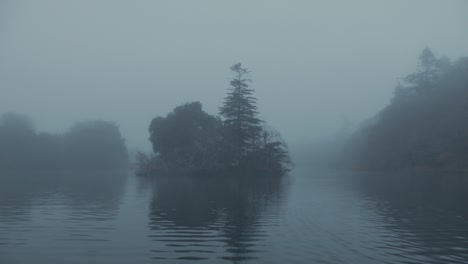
<point>266,131</point>
<point>322,63</point>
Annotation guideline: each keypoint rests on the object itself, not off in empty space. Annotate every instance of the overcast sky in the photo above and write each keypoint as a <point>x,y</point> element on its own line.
<point>314,64</point>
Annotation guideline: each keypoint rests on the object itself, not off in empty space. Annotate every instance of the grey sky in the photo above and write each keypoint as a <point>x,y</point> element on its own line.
<point>314,63</point>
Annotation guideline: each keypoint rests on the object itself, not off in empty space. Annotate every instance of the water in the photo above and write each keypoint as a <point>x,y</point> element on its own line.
<point>310,217</point>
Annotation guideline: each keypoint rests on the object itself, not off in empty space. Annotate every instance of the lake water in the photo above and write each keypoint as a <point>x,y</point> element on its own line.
<point>310,217</point>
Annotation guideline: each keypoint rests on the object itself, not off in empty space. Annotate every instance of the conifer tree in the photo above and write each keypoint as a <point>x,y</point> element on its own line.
<point>242,127</point>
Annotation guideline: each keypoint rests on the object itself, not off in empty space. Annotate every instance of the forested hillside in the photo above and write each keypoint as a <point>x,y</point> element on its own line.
<point>424,126</point>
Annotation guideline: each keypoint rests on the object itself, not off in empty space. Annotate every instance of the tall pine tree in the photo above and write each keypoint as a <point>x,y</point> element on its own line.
<point>242,127</point>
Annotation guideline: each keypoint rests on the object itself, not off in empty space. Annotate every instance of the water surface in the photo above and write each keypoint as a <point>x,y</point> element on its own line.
<point>310,217</point>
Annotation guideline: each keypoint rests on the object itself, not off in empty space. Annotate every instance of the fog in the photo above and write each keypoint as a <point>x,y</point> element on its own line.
<point>315,65</point>
<point>130,131</point>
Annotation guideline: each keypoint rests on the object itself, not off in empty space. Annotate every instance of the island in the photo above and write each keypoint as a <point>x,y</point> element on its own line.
<point>189,141</point>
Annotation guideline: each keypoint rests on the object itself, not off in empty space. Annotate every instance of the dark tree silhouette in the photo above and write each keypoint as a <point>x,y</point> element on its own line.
<point>242,127</point>
<point>95,144</point>
<point>429,69</point>
<point>190,141</point>
<point>186,140</point>
<point>88,145</point>
<point>425,125</point>
<point>17,139</point>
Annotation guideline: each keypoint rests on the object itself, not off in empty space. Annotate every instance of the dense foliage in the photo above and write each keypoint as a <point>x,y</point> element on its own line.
<point>87,145</point>
<point>186,139</point>
<point>241,126</point>
<point>425,125</point>
<point>190,141</point>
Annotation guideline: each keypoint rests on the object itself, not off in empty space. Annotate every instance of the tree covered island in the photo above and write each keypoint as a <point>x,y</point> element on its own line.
<point>190,141</point>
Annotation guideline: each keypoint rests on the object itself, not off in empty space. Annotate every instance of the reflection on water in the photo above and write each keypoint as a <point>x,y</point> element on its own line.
<point>203,218</point>
<point>42,210</point>
<point>317,217</point>
<point>428,212</point>
<point>94,194</point>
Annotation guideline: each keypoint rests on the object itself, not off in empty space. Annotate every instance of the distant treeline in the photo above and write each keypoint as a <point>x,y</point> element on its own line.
<point>87,145</point>
<point>191,141</point>
<point>424,126</point>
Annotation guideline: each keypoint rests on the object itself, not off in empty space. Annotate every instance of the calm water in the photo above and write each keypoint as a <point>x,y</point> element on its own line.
<point>311,217</point>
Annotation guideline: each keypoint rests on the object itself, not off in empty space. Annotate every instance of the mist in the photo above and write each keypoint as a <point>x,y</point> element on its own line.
<point>314,65</point>
<point>233,131</point>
